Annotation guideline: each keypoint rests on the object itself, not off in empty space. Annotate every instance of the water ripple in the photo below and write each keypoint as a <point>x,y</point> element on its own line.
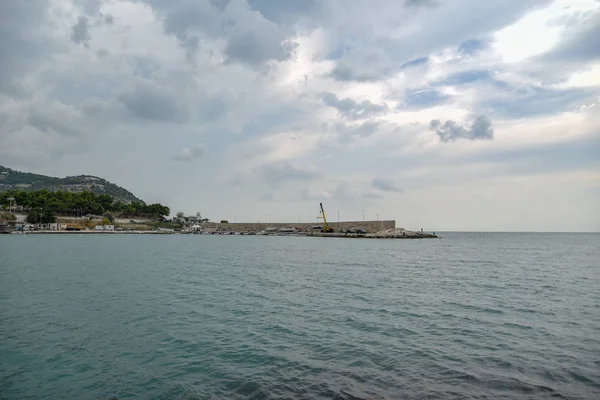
<point>472,316</point>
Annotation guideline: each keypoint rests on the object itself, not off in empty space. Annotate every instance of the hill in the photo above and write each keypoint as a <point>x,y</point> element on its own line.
<point>25,181</point>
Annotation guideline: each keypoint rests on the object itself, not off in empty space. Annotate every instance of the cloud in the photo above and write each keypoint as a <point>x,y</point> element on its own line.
<point>351,109</point>
<point>284,11</point>
<point>254,48</point>
<point>190,153</point>
<point>422,98</point>
<point>102,53</point>
<point>419,3</point>
<point>89,7</point>
<point>108,19</point>
<point>352,194</point>
<point>529,101</point>
<point>481,129</point>
<point>152,102</point>
<point>249,38</point>
<point>363,64</point>
<point>21,49</point>
<point>580,43</point>
<point>348,132</point>
<point>386,185</point>
<point>267,197</point>
<point>277,173</point>
<point>55,118</point>
<point>80,33</point>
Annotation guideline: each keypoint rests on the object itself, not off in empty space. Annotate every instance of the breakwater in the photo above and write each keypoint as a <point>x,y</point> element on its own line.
<point>367,226</point>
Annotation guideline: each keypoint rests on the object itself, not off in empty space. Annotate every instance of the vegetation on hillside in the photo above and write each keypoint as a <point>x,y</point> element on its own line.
<point>10,178</point>
<point>44,204</point>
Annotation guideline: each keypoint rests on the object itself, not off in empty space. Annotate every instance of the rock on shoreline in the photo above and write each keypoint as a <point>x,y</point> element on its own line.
<point>400,233</point>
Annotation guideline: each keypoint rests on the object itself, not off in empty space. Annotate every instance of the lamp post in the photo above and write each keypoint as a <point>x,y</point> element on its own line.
<point>377,216</point>
<point>338,215</point>
<point>363,214</point>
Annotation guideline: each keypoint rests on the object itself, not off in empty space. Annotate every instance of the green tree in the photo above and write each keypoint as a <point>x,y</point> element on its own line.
<point>109,216</point>
<point>41,216</point>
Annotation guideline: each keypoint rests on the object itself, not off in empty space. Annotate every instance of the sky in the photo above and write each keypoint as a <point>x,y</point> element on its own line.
<point>441,114</point>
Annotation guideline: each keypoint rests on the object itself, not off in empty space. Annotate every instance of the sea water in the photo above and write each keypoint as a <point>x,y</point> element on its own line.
<point>470,315</point>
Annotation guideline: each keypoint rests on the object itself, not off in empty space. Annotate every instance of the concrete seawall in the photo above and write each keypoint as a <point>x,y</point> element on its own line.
<point>368,226</point>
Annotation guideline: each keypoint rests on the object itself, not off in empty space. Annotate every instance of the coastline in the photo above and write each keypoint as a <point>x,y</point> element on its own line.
<point>402,235</point>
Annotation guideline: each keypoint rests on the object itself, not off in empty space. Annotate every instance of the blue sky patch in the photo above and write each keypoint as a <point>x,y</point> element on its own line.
<point>416,62</point>
<point>472,46</point>
<point>465,77</point>
<point>528,102</point>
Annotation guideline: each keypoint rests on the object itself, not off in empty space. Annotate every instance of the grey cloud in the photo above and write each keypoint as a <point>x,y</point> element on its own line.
<point>280,172</point>
<point>419,3</point>
<point>363,64</point>
<point>79,32</point>
<point>183,15</point>
<point>349,132</point>
<point>256,47</point>
<point>267,197</point>
<point>190,153</point>
<point>347,193</point>
<point>55,117</point>
<point>481,129</point>
<point>102,53</point>
<point>21,50</point>
<point>282,11</point>
<point>372,195</point>
<point>90,7</point>
<point>191,44</point>
<point>386,185</point>
<point>250,38</point>
<point>307,195</point>
<point>352,109</point>
<point>149,101</point>
<point>108,19</point>
<point>220,4</point>
<point>215,105</point>
<point>580,44</point>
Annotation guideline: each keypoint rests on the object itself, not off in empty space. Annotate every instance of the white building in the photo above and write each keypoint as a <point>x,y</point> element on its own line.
<point>105,227</point>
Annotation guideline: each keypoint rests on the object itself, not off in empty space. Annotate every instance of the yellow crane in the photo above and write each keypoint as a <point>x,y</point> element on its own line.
<point>326,227</point>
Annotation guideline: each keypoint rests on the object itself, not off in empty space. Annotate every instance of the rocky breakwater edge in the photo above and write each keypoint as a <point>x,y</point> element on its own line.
<point>396,233</point>
<point>400,233</point>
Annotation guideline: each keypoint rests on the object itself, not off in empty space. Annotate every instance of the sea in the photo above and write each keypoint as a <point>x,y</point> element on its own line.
<point>466,316</point>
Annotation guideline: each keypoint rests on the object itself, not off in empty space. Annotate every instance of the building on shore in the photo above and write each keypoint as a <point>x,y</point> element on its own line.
<point>105,227</point>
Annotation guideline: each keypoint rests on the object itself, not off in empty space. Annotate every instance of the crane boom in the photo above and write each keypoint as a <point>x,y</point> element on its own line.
<point>326,227</point>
